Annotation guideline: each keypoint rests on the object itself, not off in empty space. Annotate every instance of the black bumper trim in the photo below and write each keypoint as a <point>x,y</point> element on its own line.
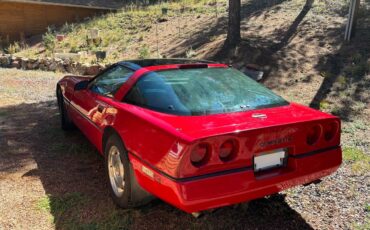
<point>303,155</point>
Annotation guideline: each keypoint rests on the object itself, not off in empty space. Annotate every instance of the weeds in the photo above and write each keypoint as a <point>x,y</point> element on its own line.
<point>324,105</point>
<point>13,48</point>
<point>124,30</point>
<point>144,52</point>
<point>360,161</point>
<point>190,53</point>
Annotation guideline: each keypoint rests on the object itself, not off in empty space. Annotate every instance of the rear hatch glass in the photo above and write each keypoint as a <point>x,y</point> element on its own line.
<point>201,91</point>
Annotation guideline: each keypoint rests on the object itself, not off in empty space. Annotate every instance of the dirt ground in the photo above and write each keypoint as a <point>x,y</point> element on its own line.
<point>50,179</point>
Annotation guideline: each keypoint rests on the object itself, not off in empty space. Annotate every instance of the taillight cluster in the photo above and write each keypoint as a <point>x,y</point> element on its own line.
<point>201,153</point>
<point>228,150</point>
<point>327,130</point>
<point>330,130</point>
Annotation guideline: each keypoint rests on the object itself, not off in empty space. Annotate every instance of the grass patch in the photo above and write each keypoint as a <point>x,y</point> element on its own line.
<point>365,226</point>
<point>66,213</point>
<point>324,104</point>
<point>58,206</point>
<point>360,162</point>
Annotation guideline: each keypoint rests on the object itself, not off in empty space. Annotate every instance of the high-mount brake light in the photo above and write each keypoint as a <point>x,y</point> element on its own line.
<point>193,66</point>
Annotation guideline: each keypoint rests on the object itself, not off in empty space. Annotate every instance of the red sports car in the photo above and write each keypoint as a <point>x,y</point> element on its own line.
<point>196,134</point>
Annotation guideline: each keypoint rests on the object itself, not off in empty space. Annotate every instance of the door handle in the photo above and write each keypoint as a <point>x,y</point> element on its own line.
<point>100,108</point>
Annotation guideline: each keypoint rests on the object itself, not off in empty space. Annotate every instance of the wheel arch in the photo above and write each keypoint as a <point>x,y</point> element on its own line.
<point>109,131</point>
<point>58,89</point>
<point>138,194</point>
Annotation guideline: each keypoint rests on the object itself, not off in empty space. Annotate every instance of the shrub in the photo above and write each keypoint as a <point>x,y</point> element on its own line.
<point>144,52</point>
<point>13,48</point>
<point>48,40</point>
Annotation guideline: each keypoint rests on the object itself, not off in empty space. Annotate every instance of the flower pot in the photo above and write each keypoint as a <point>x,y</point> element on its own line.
<point>100,55</point>
<point>164,11</point>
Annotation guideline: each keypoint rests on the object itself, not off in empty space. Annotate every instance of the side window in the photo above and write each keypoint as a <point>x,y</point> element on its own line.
<point>110,81</point>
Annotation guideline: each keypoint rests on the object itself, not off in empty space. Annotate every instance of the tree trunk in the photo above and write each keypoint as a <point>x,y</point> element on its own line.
<point>233,31</point>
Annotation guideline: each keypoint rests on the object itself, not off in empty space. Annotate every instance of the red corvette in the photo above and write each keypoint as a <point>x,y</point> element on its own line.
<point>196,134</point>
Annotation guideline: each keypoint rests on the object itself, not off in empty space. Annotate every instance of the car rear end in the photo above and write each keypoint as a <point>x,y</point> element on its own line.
<point>235,167</point>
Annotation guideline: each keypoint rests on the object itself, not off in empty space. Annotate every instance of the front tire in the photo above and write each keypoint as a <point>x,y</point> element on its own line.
<point>125,191</point>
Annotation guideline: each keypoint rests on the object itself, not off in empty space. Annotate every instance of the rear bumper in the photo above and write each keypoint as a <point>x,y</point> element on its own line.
<point>231,188</point>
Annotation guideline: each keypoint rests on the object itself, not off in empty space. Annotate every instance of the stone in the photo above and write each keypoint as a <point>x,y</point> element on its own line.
<point>60,37</point>
<point>42,67</point>
<point>58,60</point>
<point>29,66</point>
<point>52,66</point>
<point>5,60</point>
<point>60,67</point>
<point>82,53</point>
<point>24,62</point>
<point>92,69</point>
<point>80,69</point>
<point>15,64</point>
<point>67,62</point>
<point>33,64</point>
<point>72,56</point>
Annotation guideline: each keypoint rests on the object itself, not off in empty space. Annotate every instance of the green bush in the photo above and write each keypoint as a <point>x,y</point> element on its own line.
<point>144,52</point>
<point>49,41</point>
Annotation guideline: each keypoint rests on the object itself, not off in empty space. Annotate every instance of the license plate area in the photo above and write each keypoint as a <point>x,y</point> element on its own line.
<point>269,160</point>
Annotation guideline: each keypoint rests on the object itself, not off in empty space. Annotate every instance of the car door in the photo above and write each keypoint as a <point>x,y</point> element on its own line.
<point>92,104</point>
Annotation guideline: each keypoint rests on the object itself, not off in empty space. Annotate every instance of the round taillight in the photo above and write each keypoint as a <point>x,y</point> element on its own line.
<point>200,154</point>
<point>227,150</point>
<point>330,130</point>
<point>313,134</point>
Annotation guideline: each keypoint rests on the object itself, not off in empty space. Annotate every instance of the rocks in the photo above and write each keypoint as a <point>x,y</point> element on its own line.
<point>15,64</point>
<point>60,37</point>
<point>68,56</point>
<point>24,63</point>
<point>5,61</point>
<point>92,69</point>
<point>65,63</point>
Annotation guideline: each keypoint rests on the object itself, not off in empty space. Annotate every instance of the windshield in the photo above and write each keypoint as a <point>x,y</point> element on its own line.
<point>201,91</point>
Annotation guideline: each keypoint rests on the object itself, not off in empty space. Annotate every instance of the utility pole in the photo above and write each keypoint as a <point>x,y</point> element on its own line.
<point>352,19</point>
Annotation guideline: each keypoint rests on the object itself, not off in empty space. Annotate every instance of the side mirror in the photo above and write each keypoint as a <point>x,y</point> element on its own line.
<point>82,85</point>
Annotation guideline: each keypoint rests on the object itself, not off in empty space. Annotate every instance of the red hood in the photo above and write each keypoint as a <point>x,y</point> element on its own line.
<point>198,127</point>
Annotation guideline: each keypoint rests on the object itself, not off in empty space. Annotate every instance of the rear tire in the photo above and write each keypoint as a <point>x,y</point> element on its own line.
<point>124,189</point>
<point>65,121</point>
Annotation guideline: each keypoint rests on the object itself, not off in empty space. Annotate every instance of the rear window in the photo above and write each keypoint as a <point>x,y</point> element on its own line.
<point>201,91</point>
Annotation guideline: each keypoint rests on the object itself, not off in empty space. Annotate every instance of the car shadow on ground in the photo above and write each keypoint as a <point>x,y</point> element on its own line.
<point>72,174</point>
